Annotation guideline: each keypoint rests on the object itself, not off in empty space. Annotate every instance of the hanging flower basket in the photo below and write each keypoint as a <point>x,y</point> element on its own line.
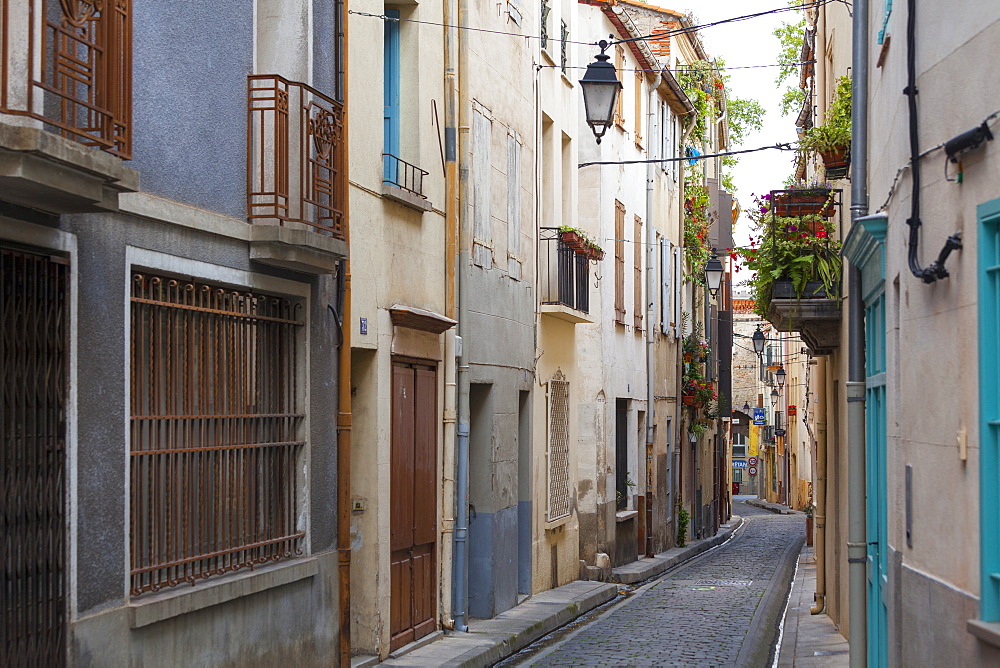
<point>792,203</point>
<point>595,253</point>
<point>690,400</point>
<point>688,356</point>
<point>835,162</point>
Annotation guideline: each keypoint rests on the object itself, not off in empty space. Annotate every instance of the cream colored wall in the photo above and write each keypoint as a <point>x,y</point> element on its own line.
<point>397,257</point>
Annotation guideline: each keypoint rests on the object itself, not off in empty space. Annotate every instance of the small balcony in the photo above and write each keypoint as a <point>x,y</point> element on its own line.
<point>403,182</point>
<point>564,276</point>
<point>296,175</point>
<point>66,89</point>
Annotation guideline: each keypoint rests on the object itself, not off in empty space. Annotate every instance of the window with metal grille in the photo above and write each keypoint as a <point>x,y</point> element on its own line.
<point>216,430</point>
<point>619,262</point>
<point>558,449</point>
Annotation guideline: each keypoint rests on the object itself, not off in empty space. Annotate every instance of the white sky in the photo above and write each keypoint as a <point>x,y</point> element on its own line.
<point>751,42</point>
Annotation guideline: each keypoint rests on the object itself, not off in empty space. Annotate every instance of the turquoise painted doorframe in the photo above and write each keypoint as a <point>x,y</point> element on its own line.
<point>875,480</point>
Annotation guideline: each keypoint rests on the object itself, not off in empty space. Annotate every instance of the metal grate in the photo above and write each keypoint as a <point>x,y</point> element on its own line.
<point>558,446</point>
<point>33,358</point>
<point>399,173</point>
<point>76,72</point>
<point>215,431</point>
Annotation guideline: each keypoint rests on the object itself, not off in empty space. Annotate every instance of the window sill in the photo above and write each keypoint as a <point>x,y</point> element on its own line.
<point>557,523</point>
<point>180,600</point>
<point>988,632</point>
<point>625,515</point>
<point>406,198</point>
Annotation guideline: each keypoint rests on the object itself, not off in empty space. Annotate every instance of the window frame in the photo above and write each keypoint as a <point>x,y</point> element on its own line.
<point>988,215</point>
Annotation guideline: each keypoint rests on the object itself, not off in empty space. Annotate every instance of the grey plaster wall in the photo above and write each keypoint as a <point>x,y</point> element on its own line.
<point>502,310</point>
<point>493,562</point>
<point>102,541</point>
<point>189,112</point>
<point>324,56</point>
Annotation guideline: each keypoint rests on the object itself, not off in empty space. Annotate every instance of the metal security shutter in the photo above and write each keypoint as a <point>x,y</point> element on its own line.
<point>33,361</point>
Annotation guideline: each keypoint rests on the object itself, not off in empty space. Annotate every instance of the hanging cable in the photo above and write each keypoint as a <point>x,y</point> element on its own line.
<point>780,147</point>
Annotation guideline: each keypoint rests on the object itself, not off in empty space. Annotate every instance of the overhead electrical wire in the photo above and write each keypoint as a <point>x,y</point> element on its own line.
<point>780,147</point>
<point>667,33</point>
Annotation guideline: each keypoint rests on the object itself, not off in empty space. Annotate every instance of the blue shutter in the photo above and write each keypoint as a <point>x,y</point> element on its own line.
<point>391,95</point>
<point>989,409</point>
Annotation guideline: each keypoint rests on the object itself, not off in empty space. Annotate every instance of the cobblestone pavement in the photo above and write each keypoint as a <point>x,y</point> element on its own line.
<point>707,612</point>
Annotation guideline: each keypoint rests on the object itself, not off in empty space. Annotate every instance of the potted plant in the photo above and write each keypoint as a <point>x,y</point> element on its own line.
<point>791,259</point>
<point>808,509</point>
<point>573,238</point>
<point>832,140</point>
<point>792,410</point>
<point>815,201</point>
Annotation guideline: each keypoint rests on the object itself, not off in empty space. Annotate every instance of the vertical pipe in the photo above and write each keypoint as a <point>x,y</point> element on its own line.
<point>344,408</point>
<point>651,139</point>
<point>460,551</point>
<point>451,208</point>
<point>819,491</point>
<point>856,538</point>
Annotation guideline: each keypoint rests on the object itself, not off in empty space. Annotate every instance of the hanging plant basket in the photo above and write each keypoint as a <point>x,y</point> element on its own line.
<point>836,162</point>
<point>792,203</point>
<point>689,400</point>
<point>595,253</point>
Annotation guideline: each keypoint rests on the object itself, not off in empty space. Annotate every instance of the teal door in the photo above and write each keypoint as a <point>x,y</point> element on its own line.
<point>875,479</point>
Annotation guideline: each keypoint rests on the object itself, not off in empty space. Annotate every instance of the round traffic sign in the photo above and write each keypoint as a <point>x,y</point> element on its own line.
<point>752,461</point>
<point>753,470</point>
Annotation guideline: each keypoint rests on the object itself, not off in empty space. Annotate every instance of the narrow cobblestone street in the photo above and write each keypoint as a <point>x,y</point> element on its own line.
<point>721,609</point>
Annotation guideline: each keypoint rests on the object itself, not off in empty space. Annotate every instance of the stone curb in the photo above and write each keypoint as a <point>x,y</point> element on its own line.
<point>491,640</point>
<point>645,568</point>
<point>773,507</point>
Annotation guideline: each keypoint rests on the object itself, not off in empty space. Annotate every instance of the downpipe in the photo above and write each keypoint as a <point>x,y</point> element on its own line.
<point>857,546</point>
<point>650,314</point>
<point>819,493</point>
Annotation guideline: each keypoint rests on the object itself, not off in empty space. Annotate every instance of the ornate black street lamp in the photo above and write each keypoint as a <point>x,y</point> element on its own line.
<point>600,87</point>
<point>713,273</point>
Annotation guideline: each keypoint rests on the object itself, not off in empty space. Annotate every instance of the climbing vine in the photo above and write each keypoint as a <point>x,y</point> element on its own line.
<point>696,227</point>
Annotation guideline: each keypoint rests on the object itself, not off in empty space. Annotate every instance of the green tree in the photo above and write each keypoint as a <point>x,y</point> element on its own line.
<point>790,36</point>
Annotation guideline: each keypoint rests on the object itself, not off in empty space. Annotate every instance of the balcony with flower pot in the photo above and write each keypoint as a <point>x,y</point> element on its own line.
<point>796,267</point>
<point>564,258</point>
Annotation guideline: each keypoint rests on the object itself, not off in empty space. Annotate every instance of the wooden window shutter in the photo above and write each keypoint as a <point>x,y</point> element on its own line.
<point>558,446</point>
<point>638,108</point>
<point>666,305</point>
<point>637,269</point>
<point>513,207</point>
<point>482,246</point>
<point>619,262</point>
<point>620,104</point>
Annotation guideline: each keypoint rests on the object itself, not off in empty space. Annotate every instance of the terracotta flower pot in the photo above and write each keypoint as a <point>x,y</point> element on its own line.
<point>574,241</point>
<point>688,401</point>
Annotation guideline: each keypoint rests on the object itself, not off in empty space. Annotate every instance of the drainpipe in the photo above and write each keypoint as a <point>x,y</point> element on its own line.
<point>857,548</point>
<point>819,492</point>
<point>344,392</point>
<point>460,553</point>
<point>451,208</point>
<point>650,309</point>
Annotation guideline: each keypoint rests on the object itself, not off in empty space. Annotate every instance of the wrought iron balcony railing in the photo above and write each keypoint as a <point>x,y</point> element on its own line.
<point>564,273</point>
<point>295,156</point>
<point>69,65</point>
<point>399,173</point>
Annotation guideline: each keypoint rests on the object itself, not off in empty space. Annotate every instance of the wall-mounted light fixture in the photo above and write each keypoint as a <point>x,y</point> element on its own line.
<point>780,375</point>
<point>713,273</point>
<point>600,86</point>
<point>774,397</point>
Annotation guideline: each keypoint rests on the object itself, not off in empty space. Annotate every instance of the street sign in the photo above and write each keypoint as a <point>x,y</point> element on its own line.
<point>759,417</point>
<point>779,432</point>
<point>752,461</point>
<point>739,464</point>
<point>753,470</point>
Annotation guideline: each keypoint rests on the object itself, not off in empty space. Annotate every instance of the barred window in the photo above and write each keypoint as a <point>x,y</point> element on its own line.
<point>558,447</point>
<point>216,430</point>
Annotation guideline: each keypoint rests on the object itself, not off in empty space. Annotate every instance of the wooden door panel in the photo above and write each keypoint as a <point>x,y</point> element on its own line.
<point>423,590</point>
<point>425,458</point>
<point>401,601</point>
<point>401,468</point>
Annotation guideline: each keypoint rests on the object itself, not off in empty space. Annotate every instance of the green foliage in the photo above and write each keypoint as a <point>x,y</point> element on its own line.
<point>696,227</point>
<point>835,134</point>
<point>797,249</point>
<point>704,85</point>
<point>682,525</point>
<point>790,37</point>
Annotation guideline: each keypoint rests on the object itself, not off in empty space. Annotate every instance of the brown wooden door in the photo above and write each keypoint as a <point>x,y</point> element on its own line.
<point>413,499</point>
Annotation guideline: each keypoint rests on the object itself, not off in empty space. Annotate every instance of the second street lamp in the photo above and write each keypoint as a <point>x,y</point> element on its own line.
<point>774,398</point>
<point>600,86</point>
<point>713,274</point>
<point>780,375</point>
<point>758,342</point>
